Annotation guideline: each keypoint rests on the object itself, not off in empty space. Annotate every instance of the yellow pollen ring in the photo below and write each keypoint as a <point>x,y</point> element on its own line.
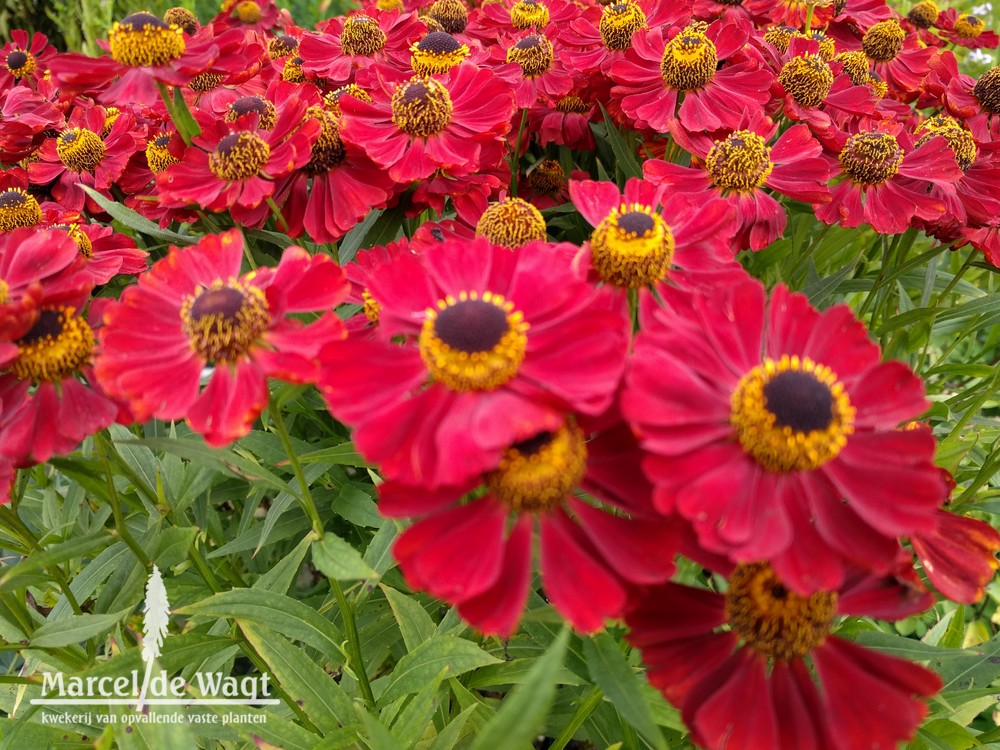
<point>4,291</point>
<point>780,447</point>
<point>527,13</point>
<point>619,22</point>
<point>224,319</point>
<point>538,474</point>
<point>58,345</point>
<point>741,162</point>
<point>371,306</point>
<point>771,619</point>
<point>632,247</point>
<point>80,150</point>
<point>482,370</point>
<point>142,40</point>
<point>689,59</point>
<point>18,208</point>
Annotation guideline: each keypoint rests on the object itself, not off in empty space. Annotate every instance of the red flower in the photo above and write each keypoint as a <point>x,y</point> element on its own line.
<point>636,243</point>
<point>259,16</point>
<point>234,165</point>
<point>658,69</point>
<point>87,154</point>
<point>487,360</point>
<point>430,123</point>
<point>958,555</point>
<point>538,69</point>
<point>494,24</point>
<point>761,419</point>
<point>24,61</point>
<point>900,59</point>
<point>351,43</point>
<point>589,549</point>
<point>25,117</point>
<point>565,122</point>
<point>108,253</point>
<point>776,677</point>
<point>193,309</point>
<point>739,166</point>
<point>966,30</point>
<point>45,348</point>
<point>144,50</point>
<point>336,188</point>
<point>598,40</point>
<point>884,179</point>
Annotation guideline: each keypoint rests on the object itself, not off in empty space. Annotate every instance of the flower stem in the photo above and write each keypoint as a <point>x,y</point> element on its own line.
<point>515,158</point>
<point>353,641</point>
<point>306,498</point>
<point>100,440</point>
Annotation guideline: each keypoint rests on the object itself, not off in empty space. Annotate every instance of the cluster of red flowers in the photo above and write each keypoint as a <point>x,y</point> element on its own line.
<point>627,399</point>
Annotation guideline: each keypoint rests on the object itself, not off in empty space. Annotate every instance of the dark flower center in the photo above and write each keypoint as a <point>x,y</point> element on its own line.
<point>142,39</point>
<point>328,150</point>
<point>81,150</point>
<point>987,90</point>
<point>527,13</point>
<point>689,59</point>
<point>632,247</point>
<point>421,107</point>
<point>798,400</point>
<point>362,36</point>
<point>636,222</point>
<point>20,63</point>
<point>453,15</point>
<point>807,79</point>
<point>923,14</point>
<point>856,66</point>
<point>437,53</point>
<point>223,320</point>
<point>282,46</point>
<point>741,162</point>
<point>475,342</point>
<point>533,53</point>
<point>773,621</point>
<point>511,223</point>
<point>183,18</point>
<point>883,41</point>
<point>547,178</point>
<point>58,345</point>
<point>871,158</point>
<point>245,105</point>
<point>572,104</point>
<point>618,23</point>
<point>239,156</point>
<point>968,27</point>
<point>537,474</point>
<point>791,414</point>
<point>439,42</point>
<point>18,209</point>
<point>471,326</point>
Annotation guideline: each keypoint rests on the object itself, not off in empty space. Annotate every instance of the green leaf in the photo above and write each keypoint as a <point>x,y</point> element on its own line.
<point>155,735</point>
<point>75,629</point>
<point>625,158</point>
<point>414,622</point>
<point>280,576</point>
<point>225,460</point>
<point>343,455</point>
<point>276,612</point>
<point>426,661</point>
<point>523,711</point>
<point>379,738</point>
<point>514,672</point>
<point>54,555</point>
<point>136,221</point>
<point>351,242</point>
<point>337,559</point>
<point>620,683</point>
<point>277,731</point>
<point>322,699</point>
<point>942,734</point>
<point>173,545</point>
<point>413,720</point>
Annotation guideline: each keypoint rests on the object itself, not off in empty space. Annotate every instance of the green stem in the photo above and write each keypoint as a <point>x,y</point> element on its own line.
<point>13,522</point>
<point>306,499</point>
<point>583,711</point>
<point>957,277</point>
<point>116,507</point>
<point>168,102</point>
<point>515,158</point>
<point>810,9</point>
<point>353,641</point>
<point>282,224</point>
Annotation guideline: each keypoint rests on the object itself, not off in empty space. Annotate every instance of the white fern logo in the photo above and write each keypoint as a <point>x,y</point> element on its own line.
<point>154,627</point>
